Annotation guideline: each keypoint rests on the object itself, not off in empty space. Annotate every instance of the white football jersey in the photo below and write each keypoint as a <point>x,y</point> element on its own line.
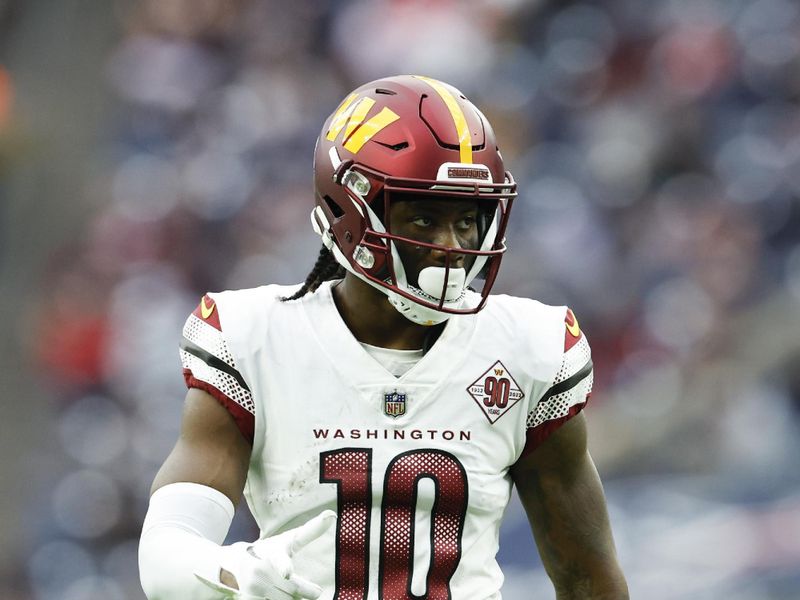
<point>417,466</point>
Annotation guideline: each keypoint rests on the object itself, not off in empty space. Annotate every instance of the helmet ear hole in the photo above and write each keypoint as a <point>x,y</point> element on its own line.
<point>335,209</point>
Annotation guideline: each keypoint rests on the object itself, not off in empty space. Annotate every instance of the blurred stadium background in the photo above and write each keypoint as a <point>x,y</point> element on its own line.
<point>153,150</point>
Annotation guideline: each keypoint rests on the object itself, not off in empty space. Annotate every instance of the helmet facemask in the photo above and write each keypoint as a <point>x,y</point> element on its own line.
<point>439,291</point>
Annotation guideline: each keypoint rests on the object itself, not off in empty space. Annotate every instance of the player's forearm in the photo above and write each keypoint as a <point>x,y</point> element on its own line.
<point>579,554</point>
<point>168,560</point>
<point>561,491</point>
<point>181,537</point>
<point>619,594</point>
<point>610,585</point>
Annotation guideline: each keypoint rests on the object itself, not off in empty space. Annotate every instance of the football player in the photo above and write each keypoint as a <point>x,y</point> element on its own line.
<point>377,416</point>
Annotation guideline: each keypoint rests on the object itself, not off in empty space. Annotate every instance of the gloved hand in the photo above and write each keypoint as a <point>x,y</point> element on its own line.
<point>264,570</point>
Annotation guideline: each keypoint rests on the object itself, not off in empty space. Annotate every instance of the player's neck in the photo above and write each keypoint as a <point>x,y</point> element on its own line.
<point>372,320</point>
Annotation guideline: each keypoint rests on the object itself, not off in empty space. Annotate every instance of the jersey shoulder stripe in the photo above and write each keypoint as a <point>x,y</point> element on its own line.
<point>569,383</point>
<point>209,364</point>
<point>569,390</point>
<point>213,361</point>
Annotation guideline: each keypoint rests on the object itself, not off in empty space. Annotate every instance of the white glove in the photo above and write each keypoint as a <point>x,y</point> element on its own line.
<point>264,570</point>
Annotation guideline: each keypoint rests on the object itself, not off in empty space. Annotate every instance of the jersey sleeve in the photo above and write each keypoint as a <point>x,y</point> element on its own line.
<point>208,364</point>
<point>569,390</point>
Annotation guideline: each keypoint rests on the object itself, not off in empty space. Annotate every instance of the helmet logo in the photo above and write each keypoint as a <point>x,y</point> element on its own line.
<point>350,117</point>
<point>467,173</point>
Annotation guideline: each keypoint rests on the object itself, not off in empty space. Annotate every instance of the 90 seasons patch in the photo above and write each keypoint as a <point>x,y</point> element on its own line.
<point>495,391</point>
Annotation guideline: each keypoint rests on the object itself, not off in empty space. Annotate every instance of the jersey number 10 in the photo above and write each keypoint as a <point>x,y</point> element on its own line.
<point>351,470</point>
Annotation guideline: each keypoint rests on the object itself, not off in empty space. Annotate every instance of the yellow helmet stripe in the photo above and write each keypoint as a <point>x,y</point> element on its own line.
<point>370,128</point>
<point>340,117</point>
<point>464,141</point>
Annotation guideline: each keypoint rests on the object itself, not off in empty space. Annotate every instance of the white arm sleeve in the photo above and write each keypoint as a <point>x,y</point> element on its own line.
<point>180,555</point>
<point>181,536</point>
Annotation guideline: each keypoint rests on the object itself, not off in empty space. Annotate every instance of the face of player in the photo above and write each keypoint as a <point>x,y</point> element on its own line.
<point>448,223</point>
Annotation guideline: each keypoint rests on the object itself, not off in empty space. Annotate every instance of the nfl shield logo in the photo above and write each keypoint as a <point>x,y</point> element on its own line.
<point>394,404</point>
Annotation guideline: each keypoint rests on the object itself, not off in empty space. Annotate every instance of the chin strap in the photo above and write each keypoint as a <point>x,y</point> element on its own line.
<point>431,281</point>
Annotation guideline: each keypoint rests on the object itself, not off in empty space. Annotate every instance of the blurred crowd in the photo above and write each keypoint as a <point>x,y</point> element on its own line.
<point>657,150</point>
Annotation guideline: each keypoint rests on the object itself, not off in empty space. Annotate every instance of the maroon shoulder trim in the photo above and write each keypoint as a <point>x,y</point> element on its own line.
<point>244,419</point>
<point>207,311</point>
<point>573,334</point>
<point>537,435</point>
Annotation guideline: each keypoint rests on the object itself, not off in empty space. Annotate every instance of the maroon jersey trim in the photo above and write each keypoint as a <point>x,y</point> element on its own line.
<point>244,419</point>
<point>535,436</point>
<point>207,311</point>
<point>573,334</point>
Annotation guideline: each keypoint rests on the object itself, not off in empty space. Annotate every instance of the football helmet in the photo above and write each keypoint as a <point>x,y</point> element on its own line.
<point>408,137</point>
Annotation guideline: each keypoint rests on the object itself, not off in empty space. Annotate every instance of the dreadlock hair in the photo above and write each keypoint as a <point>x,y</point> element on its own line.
<point>325,269</point>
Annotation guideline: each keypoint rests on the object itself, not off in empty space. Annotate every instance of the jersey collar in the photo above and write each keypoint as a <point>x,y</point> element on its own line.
<point>360,369</point>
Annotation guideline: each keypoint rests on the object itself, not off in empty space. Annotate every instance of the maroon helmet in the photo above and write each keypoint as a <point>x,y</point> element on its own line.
<point>398,138</point>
